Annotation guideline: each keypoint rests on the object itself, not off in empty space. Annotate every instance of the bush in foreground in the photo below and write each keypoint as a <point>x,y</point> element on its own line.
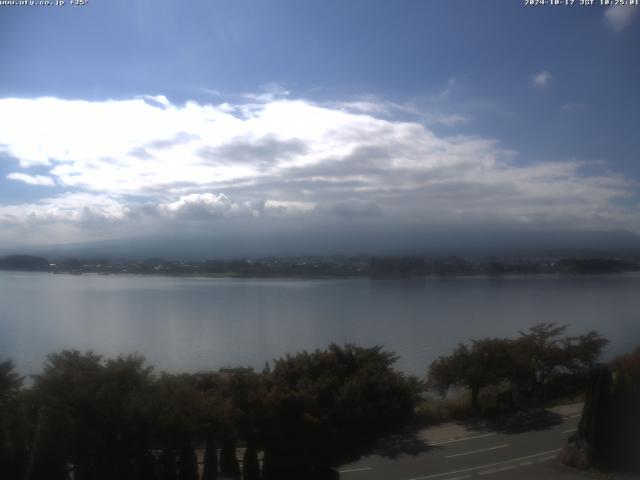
<point>114,418</point>
<point>609,431</point>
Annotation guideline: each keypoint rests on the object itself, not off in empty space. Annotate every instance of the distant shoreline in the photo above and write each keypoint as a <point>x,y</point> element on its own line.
<point>238,276</point>
<point>360,266</point>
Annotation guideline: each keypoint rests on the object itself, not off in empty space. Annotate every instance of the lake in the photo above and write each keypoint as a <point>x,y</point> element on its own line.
<point>189,324</point>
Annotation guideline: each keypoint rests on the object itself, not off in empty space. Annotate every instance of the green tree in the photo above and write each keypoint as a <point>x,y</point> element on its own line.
<point>329,406</point>
<point>188,464</point>
<point>175,405</point>
<point>229,466</point>
<point>608,434</point>
<point>100,412</point>
<point>10,381</point>
<point>47,455</point>
<point>543,352</point>
<point>210,468</point>
<point>250,463</point>
<point>481,364</point>
<point>13,427</point>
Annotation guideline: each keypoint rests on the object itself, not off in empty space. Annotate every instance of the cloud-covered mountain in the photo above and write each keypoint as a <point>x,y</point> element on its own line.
<point>273,173</point>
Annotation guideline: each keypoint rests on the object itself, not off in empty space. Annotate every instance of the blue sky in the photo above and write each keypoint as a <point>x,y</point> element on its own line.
<point>462,113</point>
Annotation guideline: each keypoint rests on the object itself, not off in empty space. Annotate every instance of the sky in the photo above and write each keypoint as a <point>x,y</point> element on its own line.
<point>246,127</point>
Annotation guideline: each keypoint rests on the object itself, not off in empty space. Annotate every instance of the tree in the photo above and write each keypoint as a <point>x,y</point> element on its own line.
<point>188,464</point>
<point>250,463</point>
<point>99,408</point>
<point>481,364</point>
<point>47,455</point>
<point>543,352</point>
<point>329,406</point>
<point>529,361</point>
<point>175,405</point>
<point>210,468</point>
<point>609,430</point>
<point>229,466</point>
<point>244,406</point>
<point>10,381</point>
<point>66,401</point>
<point>13,428</point>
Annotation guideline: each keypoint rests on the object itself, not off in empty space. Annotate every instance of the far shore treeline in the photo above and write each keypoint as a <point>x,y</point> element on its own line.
<point>334,266</point>
<point>106,418</point>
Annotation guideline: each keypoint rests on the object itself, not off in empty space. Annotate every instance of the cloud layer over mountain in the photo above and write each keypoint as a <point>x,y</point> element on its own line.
<point>146,166</point>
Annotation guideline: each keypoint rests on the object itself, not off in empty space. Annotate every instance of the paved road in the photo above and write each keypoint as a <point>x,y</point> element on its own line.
<point>517,446</point>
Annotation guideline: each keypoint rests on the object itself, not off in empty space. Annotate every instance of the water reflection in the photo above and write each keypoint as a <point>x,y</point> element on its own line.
<point>197,323</point>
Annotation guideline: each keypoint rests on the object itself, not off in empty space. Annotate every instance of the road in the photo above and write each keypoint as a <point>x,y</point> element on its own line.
<point>518,446</point>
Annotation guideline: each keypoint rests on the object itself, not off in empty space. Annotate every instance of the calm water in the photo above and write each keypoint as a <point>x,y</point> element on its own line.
<point>196,323</point>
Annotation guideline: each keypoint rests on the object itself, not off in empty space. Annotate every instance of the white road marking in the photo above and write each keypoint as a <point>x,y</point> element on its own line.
<point>476,451</point>
<point>446,442</point>
<point>479,467</point>
<point>545,459</point>
<point>570,430</point>
<point>352,470</point>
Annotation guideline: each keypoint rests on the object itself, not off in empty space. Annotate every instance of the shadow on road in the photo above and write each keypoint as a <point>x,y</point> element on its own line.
<point>518,422</point>
<point>406,443</point>
<point>412,443</point>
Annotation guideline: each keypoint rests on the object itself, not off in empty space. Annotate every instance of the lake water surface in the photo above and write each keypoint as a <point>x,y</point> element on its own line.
<point>188,324</point>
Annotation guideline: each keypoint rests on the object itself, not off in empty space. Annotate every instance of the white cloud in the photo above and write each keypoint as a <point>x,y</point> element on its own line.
<point>31,179</point>
<point>270,92</point>
<point>202,206</point>
<point>542,79</point>
<point>151,166</point>
<point>386,109</point>
<point>618,18</point>
<point>445,119</point>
